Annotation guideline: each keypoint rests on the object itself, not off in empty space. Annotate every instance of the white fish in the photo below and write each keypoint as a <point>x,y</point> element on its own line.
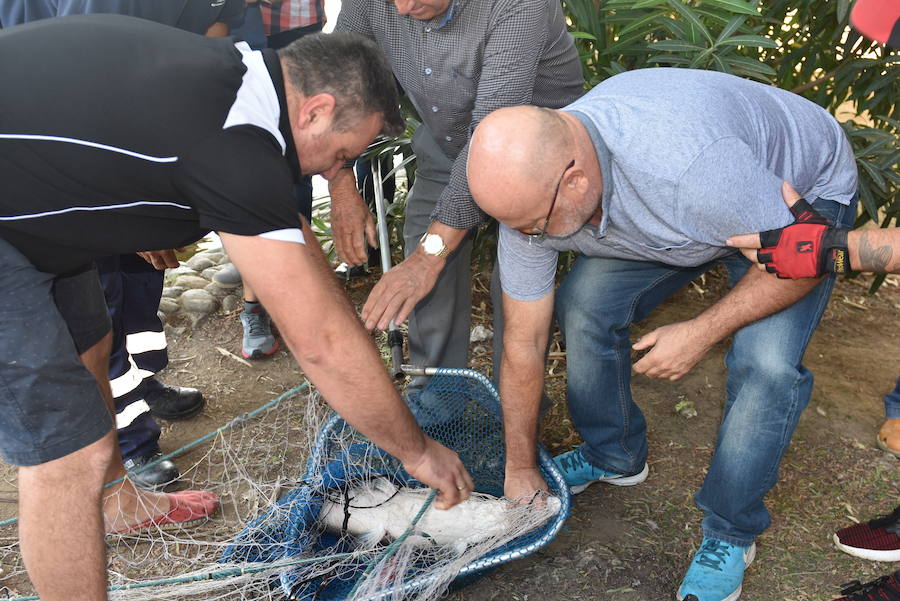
<point>380,510</point>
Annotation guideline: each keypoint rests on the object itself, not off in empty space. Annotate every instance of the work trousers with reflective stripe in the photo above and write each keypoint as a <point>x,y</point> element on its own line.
<point>133,289</point>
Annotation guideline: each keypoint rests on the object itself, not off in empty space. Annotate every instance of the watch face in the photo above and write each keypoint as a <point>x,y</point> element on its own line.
<point>432,244</point>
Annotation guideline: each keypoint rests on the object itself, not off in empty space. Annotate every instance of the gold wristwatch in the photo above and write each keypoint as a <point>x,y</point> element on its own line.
<point>434,245</point>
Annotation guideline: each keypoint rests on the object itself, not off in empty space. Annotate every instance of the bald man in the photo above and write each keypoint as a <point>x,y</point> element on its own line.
<point>647,176</point>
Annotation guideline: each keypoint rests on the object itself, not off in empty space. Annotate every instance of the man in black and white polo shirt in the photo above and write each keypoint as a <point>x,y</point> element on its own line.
<point>118,135</point>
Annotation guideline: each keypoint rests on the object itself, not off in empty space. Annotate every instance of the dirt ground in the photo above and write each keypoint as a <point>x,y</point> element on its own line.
<point>633,544</point>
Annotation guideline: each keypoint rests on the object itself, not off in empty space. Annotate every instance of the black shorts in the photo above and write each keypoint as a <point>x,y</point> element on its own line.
<point>51,405</point>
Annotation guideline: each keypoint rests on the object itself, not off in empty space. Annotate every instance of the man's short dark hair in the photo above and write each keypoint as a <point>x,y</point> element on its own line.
<point>353,70</point>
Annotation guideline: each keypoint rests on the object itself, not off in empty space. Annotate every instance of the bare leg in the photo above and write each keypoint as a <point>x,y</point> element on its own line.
<point>61,526</point>
<point>249,295</point>
<point>123,504</point>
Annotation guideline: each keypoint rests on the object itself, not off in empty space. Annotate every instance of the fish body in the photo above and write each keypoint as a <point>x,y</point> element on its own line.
<point>381,510</point>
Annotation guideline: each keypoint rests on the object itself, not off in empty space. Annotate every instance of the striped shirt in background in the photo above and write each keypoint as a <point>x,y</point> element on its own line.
<point>291,14</point>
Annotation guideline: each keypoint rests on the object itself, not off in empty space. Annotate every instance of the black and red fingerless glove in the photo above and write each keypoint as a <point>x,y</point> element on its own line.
<point>809,247</point>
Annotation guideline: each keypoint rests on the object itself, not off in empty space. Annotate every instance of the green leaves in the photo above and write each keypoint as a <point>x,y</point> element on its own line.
<point>805,46</point>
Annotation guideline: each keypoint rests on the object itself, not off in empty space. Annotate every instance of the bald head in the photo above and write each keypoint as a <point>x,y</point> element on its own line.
<point>510,159</point>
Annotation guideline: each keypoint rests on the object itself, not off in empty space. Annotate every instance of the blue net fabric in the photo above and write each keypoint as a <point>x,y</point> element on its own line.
<point>459,408</point>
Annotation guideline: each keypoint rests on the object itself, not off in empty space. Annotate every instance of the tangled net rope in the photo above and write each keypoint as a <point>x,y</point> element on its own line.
<point>310,509</point>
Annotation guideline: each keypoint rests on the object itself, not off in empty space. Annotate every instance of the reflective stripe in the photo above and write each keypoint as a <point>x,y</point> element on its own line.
<point>131,413</point>
<point>142,342</point>
<point>128,381</point>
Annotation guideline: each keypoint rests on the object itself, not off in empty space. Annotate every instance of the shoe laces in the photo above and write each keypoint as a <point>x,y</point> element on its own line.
<point>574,462</point>
<point>257,324</point>
<point>876,590</point>
<point>713,554</point>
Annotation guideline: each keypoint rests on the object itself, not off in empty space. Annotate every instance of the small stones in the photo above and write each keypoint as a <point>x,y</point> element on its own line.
<point>480,333</point>
<point>172,291</point>
<point>199,301</point>
<point>168,305</point>
<point>216,290</point>
<point>179,271</point>
<point>231,303</point>
<point>192,282</point>
<point>192,295</point>
<point>199,262</point>
<point>209,272</point>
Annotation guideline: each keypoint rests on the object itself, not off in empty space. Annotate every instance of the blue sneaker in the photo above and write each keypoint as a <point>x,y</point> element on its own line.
<point>717,571</point>
<point>580,474</point>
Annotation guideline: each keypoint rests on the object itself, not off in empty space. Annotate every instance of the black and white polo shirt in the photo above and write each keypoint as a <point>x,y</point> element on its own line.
<point>120,135</point>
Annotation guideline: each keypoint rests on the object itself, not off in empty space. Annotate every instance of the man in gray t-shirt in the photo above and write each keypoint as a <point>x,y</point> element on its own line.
<point>647,176</point>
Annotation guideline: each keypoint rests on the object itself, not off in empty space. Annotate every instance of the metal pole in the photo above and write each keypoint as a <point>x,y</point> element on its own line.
<point>395,336</point>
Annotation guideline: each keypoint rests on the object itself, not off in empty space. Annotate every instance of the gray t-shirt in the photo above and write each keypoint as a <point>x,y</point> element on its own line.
<point>688,158</point>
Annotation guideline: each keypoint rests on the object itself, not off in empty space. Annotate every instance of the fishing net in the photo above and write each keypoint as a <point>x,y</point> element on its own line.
<point>352,524</point>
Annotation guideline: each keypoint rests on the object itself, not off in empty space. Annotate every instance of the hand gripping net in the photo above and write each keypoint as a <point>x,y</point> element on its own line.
<point>459,408</point>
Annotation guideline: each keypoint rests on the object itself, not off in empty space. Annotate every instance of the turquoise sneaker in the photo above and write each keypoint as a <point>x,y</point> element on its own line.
<point>717,571</point>
<point>580,474</point>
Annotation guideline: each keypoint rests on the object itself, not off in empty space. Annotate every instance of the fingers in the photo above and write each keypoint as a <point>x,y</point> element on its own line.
<point>789,195</point>
<point>168,259</point>
<point>455,489</point>
<point>388,301</point>
<point>650,367</point>
<point>350,245</point>
<point>750,254</point>
<point>744,241</point>
<point>371,232</point>
<point>646,341</point>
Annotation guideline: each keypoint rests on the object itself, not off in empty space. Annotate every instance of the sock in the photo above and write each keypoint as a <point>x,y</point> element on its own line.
<point>252,306</point>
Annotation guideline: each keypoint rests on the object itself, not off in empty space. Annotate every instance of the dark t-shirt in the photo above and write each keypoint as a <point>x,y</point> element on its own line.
<point>190,15</point>
<point>120,135</point>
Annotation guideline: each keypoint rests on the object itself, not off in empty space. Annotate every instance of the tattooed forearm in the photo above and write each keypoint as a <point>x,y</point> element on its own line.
<point>877,251</point>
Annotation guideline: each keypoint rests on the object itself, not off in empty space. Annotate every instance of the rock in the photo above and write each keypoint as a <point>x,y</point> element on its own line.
<point>224,260</point>
<point>172,291</point>
<point>168,305</point>
<point>161,317</point>
<point>480,333</point>
<point>209,272</point>
<point>214,256</point>
<point>216,290</point>
<point>232,303</point>
<point>179,271</point>
<point>199,301</point>
<point>190,282</point>
<point>199,263</point>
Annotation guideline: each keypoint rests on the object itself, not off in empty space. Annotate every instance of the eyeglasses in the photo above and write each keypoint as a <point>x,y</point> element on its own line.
<point>539,232</point>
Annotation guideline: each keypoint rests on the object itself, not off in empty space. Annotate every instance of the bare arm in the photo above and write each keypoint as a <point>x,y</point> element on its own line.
<point>525,336</point>
<point>399,290</point>
<point>295,283</point>
<point>351,221</point>
<point>677,347</point>
<point>875,250</point>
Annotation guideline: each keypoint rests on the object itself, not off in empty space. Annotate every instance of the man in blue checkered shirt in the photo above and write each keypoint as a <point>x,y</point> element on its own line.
<point>457,60</point>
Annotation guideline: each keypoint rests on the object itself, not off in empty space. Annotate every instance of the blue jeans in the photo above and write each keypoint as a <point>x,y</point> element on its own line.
<point>766,391</point>
<point>892,402</point>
